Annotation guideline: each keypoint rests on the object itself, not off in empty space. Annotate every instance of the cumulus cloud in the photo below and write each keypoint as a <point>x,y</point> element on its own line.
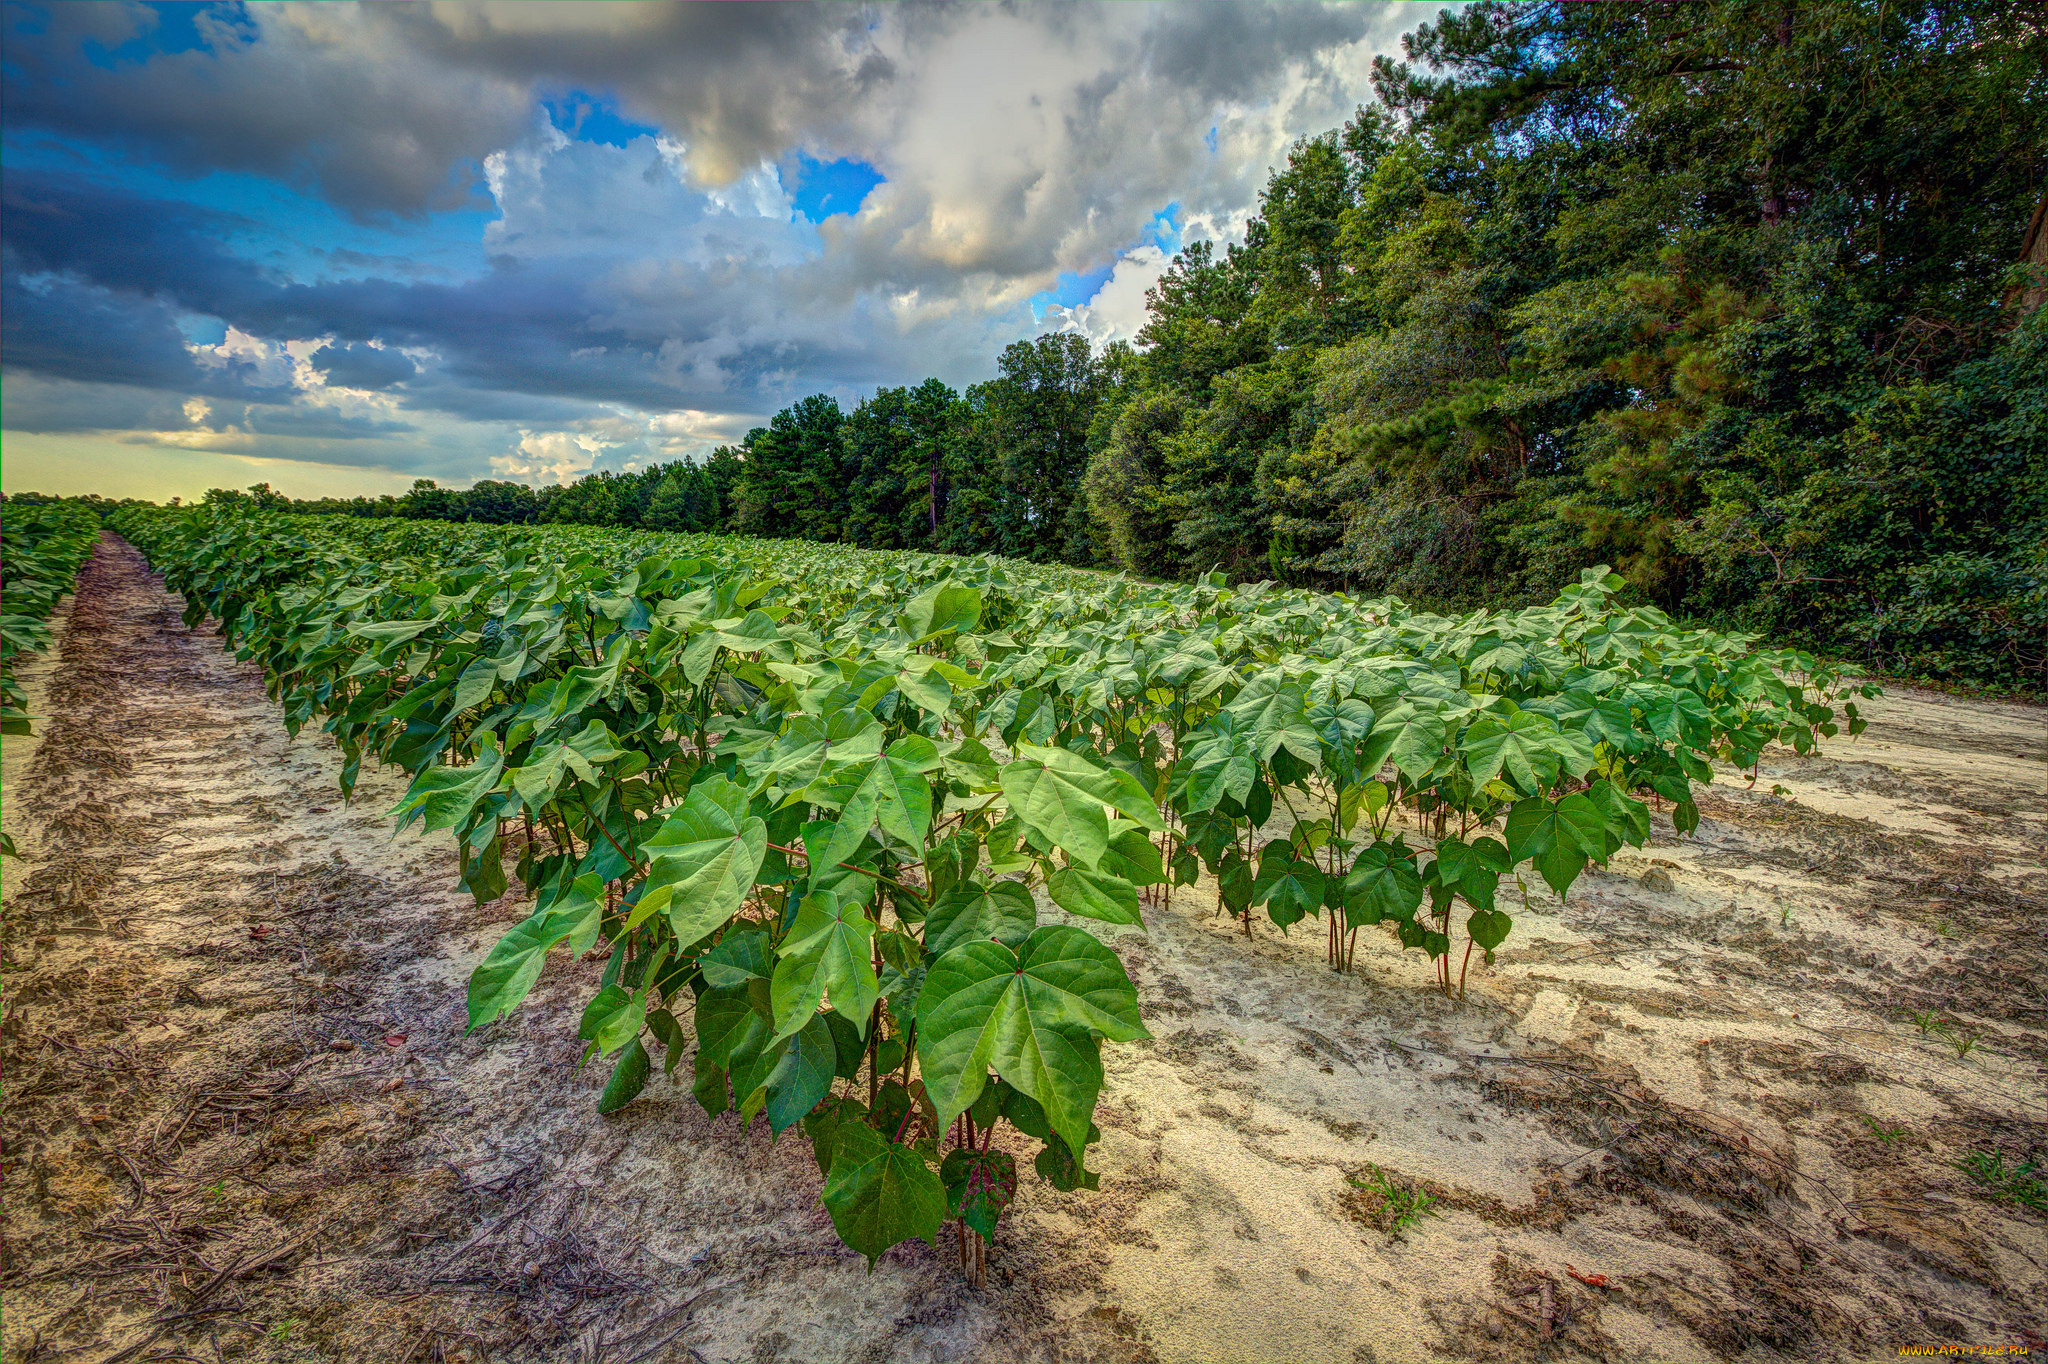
<point>631,297</point>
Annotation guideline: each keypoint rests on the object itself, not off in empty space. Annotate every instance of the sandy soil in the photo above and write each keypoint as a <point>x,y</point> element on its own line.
<point>242,1120</point>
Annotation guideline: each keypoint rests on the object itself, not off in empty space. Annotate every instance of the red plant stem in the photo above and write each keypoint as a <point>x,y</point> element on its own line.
<point>848,866</point>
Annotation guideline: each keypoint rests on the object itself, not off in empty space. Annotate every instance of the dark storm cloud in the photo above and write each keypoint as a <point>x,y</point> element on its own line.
<point>740,82</point>
<point>308,97</point>
<point>1231,52</point>
<point>39,404</point>
<point>388,108</point>
<point>311,423</point>
<point>65,328</point>
<point>355,364</point>
<point>528,341</point>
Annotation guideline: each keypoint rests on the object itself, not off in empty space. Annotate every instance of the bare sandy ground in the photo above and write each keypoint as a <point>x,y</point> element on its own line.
<point>242,1120</point>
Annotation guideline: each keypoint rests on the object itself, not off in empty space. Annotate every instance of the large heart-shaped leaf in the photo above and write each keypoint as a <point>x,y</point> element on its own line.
<point>706,856</point>
<point>1033,1015</point>
<point>970,911</point>
<point>1060,795</point>
<point>1383,884</point>
<point>880,1194</point>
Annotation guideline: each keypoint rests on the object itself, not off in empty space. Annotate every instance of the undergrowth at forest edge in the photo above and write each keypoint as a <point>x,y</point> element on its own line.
<point>807,796</point>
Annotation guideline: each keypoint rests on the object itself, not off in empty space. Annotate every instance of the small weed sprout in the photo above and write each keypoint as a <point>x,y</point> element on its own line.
<point>1887,1135</point>
<point>1785,917</point>
<point>1928,1022</point>
<point>2021,1184</point>
<point>1390,1204</point>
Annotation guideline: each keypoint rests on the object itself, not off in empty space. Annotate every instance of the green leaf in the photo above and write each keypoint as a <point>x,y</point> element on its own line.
<point>1471,870</point>
<point>979,1186</point>
<point>547,764</point>
<point>829,948</point>
<point>1489,928</point>
<point>706,855</point>
<point>1218,762</point>
<point>729,1027</point>
<point>1628,819</point>
<point>1135,858</point>
<point>710,1087</point>
<point>827,1121</point>
<point>969,911</point>
<point>880,1194</point>
<point>1275,714</point>
<point>1058,1167</point>
<point>1572,825</point>
<point>1060,796</point>
<point>1560,865</point>
<point>629,1077</point>
<point>1094,895</point>
<point>738,958</point>
<point>1033,1015</point>
<point>447,796</point>
<point>613,1017</point>
<point>1411,736</point>
<point>1383,884</point>
<point>1289,887</point>
<point>942,608</point>
<point>507,972</point>
<point>788,1077</point>
<point>1520,745</point>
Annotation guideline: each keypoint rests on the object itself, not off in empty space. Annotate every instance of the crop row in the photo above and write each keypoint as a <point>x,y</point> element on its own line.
<point>809,799</point>
<point>41,548</point>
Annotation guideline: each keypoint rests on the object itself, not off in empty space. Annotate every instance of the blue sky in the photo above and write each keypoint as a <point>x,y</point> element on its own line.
<point>338,247</point>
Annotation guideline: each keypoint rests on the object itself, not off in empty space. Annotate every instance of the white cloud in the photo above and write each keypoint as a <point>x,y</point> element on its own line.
<point>1117,311</point>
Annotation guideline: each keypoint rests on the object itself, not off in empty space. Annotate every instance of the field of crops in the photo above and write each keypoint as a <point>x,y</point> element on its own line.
<point>808,797</point>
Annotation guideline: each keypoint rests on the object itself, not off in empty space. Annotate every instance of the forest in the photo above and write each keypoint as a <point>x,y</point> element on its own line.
<point>1743,300</point>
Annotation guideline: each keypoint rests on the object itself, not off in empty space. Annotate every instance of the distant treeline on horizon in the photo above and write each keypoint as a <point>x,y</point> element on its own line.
<point>1743,300</point>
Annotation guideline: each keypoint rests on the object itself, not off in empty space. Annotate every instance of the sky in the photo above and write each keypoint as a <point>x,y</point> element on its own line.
<point>337,247</point>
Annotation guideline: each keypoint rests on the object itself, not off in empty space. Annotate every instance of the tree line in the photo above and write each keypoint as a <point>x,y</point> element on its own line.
<point>1741,298</point>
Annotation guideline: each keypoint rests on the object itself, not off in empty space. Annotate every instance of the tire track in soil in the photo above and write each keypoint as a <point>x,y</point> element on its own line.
<point>242,1120</point>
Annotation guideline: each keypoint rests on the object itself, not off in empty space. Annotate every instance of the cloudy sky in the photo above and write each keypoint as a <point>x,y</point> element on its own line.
<point>339,247</point>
